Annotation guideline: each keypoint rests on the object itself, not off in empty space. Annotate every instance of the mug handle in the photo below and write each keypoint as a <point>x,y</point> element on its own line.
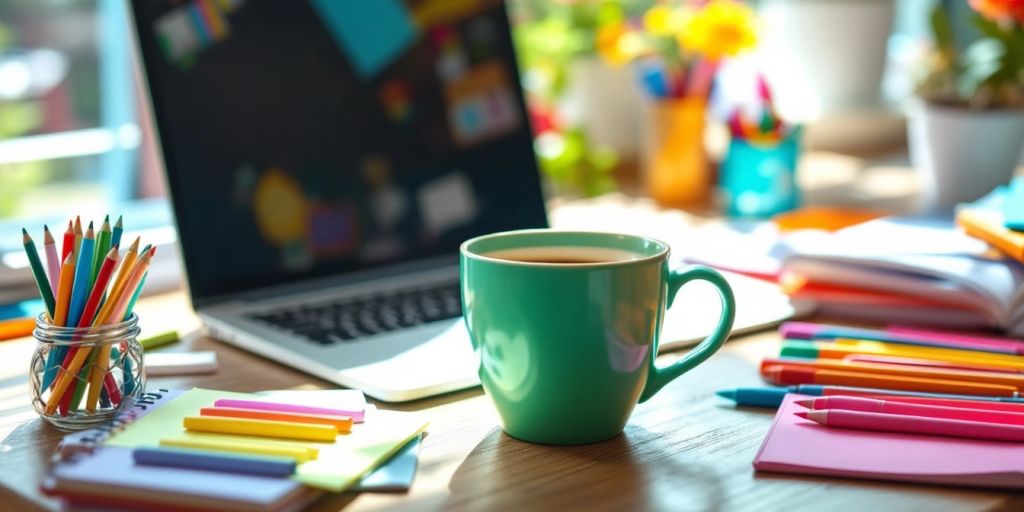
<point>658,377</point>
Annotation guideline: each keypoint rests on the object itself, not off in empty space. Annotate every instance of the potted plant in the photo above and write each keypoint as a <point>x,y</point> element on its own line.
<point>965,134</point>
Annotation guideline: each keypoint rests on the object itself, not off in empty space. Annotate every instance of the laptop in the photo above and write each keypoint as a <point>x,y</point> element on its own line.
<point>325,160</point>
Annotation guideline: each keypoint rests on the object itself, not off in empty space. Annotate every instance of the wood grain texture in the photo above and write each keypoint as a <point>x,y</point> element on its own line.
<point>683,450</point>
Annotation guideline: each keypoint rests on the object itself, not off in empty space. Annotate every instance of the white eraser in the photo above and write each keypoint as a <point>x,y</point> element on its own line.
<point>180,363</point>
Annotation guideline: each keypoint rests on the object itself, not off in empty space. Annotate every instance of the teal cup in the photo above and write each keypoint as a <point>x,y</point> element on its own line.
<point>566,326</point>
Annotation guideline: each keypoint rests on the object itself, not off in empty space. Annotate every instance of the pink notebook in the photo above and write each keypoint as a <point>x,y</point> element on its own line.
<point>795,445</point>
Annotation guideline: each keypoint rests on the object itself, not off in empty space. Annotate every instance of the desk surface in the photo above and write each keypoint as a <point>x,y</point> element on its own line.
<point>685,449</point>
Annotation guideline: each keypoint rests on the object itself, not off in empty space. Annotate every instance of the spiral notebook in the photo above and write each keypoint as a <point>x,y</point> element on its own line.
<point>795,445</point>
<point>92,471</point>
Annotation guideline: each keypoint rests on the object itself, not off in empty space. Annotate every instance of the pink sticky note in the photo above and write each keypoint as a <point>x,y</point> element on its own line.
<point>357,416</point>
<point>795,445</point>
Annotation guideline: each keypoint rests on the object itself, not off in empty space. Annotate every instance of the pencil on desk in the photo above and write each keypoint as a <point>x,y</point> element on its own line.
<point>914,425</point>
<point>52,263</point>
<point>791,375</point>
<point>885,406</point>
<point>1009,379</point>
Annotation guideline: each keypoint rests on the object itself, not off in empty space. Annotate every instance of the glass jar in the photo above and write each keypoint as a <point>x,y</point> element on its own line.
<point>82,377</point>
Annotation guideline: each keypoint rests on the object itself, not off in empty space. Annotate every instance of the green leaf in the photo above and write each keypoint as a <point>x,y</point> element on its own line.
<point>942,29</point>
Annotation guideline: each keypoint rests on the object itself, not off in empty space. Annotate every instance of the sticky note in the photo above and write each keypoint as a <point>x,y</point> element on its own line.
<point>447,202</point>
<point>371,34</point>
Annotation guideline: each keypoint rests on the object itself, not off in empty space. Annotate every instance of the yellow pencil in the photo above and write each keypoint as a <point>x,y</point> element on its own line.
<point>114,315</point>
<point>294,451</point>
<point>261,428</point>
<point>127,263</point>
<point>64,283</point>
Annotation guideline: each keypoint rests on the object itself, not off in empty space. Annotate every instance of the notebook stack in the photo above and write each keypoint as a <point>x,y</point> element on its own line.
<point>894,404</point>
<point>208,450</point>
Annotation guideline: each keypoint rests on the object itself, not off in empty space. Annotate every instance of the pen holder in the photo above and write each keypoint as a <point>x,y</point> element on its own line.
<point>759,178</point>
<point>678,173</point>
<point>82,377</point>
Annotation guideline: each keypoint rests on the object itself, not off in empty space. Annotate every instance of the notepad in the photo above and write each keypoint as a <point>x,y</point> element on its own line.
<point>795,445</point>
<point>339,464</point>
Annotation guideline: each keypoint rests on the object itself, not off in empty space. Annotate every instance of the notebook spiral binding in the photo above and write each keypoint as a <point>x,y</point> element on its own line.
<point>81,443</point>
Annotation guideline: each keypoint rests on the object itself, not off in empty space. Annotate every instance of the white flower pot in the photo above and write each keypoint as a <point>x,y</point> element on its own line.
<point>825,56</point>
<point>606,101</point>
<point>962,154</point>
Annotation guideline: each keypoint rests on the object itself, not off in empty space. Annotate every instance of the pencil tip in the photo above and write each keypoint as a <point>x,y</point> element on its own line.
<point>801,414</point>
<point>807,403</point>
<point>90,224</point>
<point>118,223</point>
<point>24,233</point>
<point>727,393</point>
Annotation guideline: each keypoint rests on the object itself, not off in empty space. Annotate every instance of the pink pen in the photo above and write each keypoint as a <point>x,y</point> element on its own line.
<point>862,404</point>
<point>357,416</point>
<point>914,425</point>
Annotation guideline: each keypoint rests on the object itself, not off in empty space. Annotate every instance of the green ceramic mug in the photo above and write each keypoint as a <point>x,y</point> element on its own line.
<point>566,325</point>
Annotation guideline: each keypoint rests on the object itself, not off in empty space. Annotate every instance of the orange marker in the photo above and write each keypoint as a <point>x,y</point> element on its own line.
<point>782,375</point>
<point>1006,379</point>
<point>342,423</point>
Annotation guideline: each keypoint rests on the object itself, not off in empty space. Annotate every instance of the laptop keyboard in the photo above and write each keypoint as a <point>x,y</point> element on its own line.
<point>344,320</point>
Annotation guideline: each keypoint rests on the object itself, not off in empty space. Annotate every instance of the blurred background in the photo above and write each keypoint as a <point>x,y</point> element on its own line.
<point>615,88</point>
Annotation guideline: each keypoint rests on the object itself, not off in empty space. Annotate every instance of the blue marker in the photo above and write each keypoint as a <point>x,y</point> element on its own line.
<point>211,461</point>
<point>772,397</point>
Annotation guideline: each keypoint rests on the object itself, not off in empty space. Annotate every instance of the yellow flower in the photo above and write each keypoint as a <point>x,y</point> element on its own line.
<point>618,45</point>
<point>662,20</point>
<point>722,28</point>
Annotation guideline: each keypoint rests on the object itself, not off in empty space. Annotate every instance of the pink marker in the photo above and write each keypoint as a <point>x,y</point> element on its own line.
<point>357,416</point>
<point>863,404</point>
<point>915,425</point>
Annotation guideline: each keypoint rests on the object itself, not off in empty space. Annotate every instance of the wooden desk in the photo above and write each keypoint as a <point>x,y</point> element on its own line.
<point>685,449</point>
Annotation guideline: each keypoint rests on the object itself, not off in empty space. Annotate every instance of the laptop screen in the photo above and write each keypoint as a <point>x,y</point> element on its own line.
<point>319,137</point>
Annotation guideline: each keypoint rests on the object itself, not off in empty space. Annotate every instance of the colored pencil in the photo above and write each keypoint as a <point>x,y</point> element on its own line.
<point>791,375</point>
<point>88,314</point>
<point>901,335</point>
<point>851,403</point>
<point>915,425</point>
<point>772,396</point>
<point>841,350</point>
<point>102,246</point>
<point>83,269</point>
<point>261,428</point>
<point>65,283</point>
<point>1015,380</point>
<point>68,245</point>
<point>78,234</point>
<point>37,271</point>
<point>52,263</point>
<point>926,363</point>
<point>115,237</point>
<point>127,262</point>
<point>116,314</point>
<point>342,423</point>
<point>16,328</point>
<point>1007,405</point>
